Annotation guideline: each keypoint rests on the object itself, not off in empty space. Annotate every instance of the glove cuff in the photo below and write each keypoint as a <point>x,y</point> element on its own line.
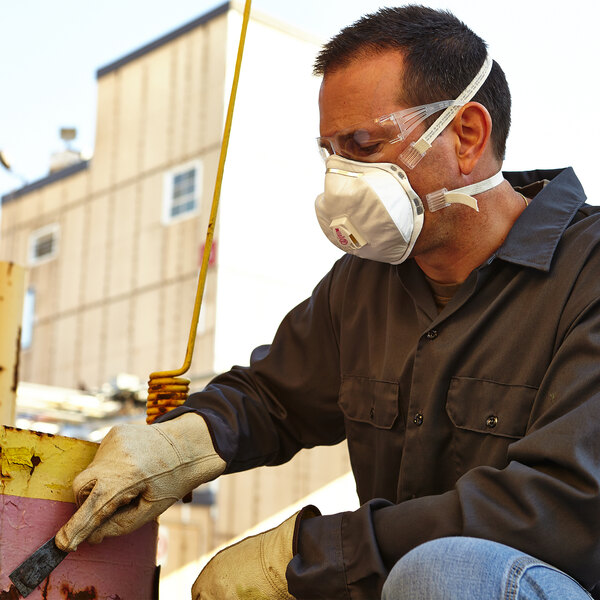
<point>189,436</point>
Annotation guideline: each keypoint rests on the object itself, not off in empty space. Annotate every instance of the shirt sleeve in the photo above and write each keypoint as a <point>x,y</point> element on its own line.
<point>545,502</point>
<point>264,413</point>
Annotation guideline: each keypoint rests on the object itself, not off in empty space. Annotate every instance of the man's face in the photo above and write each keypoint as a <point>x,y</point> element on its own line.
<point>369,87</point>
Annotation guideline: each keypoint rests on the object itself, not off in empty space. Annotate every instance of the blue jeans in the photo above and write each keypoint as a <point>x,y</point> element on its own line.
<point>462,568</point>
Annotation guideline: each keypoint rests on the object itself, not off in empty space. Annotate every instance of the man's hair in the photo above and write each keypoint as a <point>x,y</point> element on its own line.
<point>441,57</point>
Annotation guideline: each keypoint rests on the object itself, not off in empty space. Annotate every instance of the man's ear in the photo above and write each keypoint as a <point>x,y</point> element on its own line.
<point>472,127</point>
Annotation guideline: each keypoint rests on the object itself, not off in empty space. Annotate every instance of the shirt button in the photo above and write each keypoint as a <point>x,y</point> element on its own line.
<point>418,419</point>
<point>432,334</point>
<point>491,421</point>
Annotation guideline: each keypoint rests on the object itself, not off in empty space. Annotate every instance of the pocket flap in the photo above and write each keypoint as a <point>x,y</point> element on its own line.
<point>490,407</point>
<point>369,401</point>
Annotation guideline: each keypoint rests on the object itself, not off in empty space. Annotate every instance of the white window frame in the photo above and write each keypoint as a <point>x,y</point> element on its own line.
<point>54,231</point>
<point>28,321</point>
<point>169,190</point>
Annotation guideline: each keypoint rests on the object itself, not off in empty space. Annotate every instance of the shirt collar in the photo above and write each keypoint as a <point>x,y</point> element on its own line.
<point>534,237</point>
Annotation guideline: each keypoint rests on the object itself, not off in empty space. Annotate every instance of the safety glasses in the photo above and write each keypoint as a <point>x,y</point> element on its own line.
<point>366,141</point>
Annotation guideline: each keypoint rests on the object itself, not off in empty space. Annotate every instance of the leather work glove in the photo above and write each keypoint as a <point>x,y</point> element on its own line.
<point>137,473</point>
<point>253,569</point>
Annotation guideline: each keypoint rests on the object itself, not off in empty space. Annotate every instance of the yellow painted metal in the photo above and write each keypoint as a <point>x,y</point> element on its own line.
<point>12,291</point>
<point>40,465</point>
<point>166,390</point>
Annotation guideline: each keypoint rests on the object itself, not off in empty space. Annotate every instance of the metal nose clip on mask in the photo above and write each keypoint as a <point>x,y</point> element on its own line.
<point>370,209</point>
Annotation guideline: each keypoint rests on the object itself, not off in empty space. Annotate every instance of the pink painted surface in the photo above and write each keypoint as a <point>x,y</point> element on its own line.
<point>120,568</point>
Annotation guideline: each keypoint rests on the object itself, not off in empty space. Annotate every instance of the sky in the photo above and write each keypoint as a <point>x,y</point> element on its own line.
<point>51,50</point>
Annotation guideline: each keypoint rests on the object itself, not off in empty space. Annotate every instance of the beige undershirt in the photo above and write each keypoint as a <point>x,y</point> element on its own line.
<point>442,292</point>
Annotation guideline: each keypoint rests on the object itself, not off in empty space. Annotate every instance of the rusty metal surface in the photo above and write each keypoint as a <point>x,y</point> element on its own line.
<point>36,499</point>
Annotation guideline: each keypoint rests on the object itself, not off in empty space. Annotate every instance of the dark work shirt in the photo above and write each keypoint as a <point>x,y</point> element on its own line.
<point>481,420</point>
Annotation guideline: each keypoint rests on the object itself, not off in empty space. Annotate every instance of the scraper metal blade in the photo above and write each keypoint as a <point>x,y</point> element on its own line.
<point>33,570</point>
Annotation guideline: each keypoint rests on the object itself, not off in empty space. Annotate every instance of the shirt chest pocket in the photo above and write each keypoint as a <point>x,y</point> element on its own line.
<point>369,401</point>
<point>487,417</point>
<point>488,407</point>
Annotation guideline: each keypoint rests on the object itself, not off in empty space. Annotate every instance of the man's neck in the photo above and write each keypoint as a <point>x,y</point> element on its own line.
<point>480,234</point>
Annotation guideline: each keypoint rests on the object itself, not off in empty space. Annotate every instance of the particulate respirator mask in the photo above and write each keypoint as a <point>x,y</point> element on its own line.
<point>370,209</point>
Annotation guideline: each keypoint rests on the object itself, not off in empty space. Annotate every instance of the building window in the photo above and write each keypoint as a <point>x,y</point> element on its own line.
<point>43,244</point>
<point>28,319</point>
<point>182,189</point>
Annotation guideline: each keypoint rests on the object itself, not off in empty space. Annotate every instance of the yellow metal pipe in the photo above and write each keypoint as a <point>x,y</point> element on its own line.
<point>166,390</point>
<point>12,291</point>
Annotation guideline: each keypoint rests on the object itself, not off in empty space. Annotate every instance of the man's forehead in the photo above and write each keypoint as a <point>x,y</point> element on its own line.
<point>367,87</point>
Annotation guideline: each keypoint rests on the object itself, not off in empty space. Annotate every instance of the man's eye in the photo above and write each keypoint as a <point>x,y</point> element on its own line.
<point>370,149</point>
<point>361,151</point>
<point>361,144</point>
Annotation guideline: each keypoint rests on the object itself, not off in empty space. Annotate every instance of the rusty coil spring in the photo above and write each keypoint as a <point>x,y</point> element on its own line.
<point>165,394</point>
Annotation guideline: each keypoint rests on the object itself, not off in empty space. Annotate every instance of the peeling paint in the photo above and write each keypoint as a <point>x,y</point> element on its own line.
<point>15,457</point>
<point>18,456</point>
<point>15,516</point>
<point>57,487</point>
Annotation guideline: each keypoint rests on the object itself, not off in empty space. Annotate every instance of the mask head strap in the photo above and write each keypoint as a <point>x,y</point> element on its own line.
<point>463,195</point>
<point>417,150</point>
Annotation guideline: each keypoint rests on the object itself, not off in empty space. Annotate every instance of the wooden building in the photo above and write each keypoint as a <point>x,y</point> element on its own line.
<point>113,244</point>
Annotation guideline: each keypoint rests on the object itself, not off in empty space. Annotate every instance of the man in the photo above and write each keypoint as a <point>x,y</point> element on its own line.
<point>456,351</point>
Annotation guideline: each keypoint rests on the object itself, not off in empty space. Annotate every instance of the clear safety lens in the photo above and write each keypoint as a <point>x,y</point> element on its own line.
<point>366,141</point>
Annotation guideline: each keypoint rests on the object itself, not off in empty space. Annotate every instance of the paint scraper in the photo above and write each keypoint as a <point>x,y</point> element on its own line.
<point>33,570</point>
